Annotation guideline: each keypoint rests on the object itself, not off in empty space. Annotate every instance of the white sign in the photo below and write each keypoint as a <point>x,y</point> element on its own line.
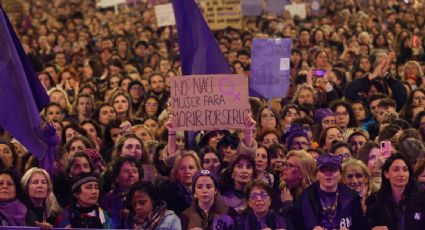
<point>297,9</point>
<point>109,3</point>
<point>165,15</point>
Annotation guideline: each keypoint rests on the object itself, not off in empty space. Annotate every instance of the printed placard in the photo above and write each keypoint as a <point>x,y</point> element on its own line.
<point>165,15</point>
<point>209,102</point>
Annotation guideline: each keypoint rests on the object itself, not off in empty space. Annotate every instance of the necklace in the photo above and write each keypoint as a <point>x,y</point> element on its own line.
<point>330,211</point>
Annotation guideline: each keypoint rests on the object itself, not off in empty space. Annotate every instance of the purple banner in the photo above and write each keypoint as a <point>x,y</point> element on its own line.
<point>276,6</point>
<point>252,7</point>
<point>270,68</point>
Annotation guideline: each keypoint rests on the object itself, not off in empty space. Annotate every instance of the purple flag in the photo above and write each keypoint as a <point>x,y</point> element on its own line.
<point>22,96</point>
<point>199,51</point>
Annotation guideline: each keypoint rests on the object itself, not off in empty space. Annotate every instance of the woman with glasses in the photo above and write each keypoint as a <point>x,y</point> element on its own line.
<point>297,175</point>
<point>258,214</point>
<point>344,114</point>
<point>328,204</point>
<point>356,176</point>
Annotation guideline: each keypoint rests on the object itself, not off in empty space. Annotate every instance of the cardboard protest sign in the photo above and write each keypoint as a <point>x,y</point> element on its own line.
<point>165,15</point>
<point>270,68</point>
<point>209,102</point>
<point>220,14</point>
<point>109,3</point>
<point>252,7</point>
<point>297,9</point>
<point>276,6</point>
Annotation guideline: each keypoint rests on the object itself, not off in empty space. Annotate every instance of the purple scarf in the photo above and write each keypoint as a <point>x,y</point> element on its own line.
<point>14,212</point>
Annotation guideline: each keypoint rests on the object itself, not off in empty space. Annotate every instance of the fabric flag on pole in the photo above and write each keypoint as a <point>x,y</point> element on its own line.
<point>199,51</point>
<point>21,94</point>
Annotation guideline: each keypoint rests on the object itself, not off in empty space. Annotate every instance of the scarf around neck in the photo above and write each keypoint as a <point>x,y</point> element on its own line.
<point>13,212</point>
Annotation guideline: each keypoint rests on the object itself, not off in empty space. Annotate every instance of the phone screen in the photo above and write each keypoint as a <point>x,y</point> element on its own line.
<point>319,72</point>
<point>385,149</point>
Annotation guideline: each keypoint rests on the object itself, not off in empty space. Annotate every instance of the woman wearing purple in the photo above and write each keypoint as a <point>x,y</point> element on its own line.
<point>259,215</point>
<point>328,204</point>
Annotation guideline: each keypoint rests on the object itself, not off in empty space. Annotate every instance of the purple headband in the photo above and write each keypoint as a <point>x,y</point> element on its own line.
<point>203,172</point>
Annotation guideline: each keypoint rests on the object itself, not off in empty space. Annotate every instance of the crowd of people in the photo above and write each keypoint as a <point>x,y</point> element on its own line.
<point>343,150</point>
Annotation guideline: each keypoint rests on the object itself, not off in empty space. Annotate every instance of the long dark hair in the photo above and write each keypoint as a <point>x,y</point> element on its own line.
<point>227,180</point>
<point>386,190</point>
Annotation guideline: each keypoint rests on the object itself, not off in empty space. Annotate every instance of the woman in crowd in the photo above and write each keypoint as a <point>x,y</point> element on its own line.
<point>41,200</point>
<point>210,160</point>
<point>262,164</point>
<point>83,107</point>
<point>370,155</point>
<point>344,114</point>
<point>131,145</point>
<point>356,176</point>
<point>150,107</point>
<point>241,171</point>
<point>388,206</point>
<point>181,177</point>
<point>84,211</point>
<point>258,214</point>
<point>147,210</point>
<point>208,210</point>
<point>328,136</point>
<point>267,118</point>
<point>12,210</point>
<point>8,156</point>
<point>126,171</point>
<point>328,204</point>
<point>104,114</point>
<point>121,102</point>
<point>76,144</point>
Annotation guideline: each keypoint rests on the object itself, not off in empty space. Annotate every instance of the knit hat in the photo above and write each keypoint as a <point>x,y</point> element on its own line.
<point>295,130</point>
<point>319,114</point>
<point>81,179</point>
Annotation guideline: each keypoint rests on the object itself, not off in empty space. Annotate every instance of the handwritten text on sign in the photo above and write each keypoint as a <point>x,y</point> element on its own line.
<point>209,102</point>
<point>220,14</point>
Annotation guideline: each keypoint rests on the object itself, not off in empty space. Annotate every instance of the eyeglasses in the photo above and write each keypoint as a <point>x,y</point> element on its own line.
<point>261,195</point>
<point>356,175</point>
<point>289,165</point>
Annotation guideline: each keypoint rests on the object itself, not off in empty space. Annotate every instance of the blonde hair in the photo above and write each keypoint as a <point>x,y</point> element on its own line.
<point>307,166</point>
<point>50,202</point>
<point>173,173</point>
<point>359,165</point>
<point>68,106</point>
